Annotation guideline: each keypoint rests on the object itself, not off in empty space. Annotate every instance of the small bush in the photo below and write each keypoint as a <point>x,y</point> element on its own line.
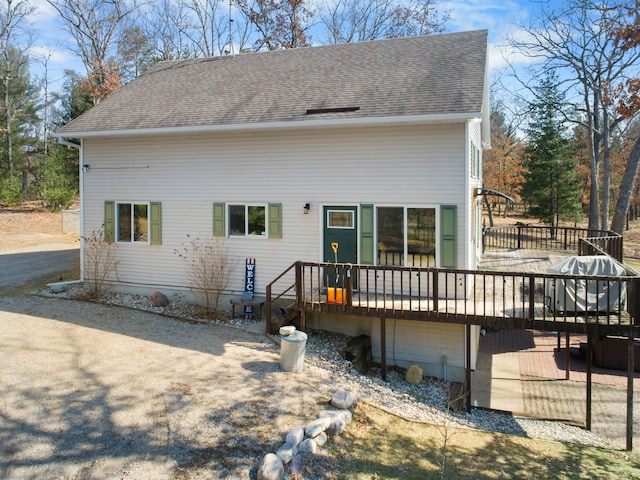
<point>210,269</point>
<point>100,263</point>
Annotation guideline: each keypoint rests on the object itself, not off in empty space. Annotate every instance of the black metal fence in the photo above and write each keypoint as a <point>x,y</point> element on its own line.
<point>550,238</point>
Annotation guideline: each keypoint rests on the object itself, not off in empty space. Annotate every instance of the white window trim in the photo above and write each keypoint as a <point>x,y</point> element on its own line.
<point>117,223</point>
<point>353,213</point>
<point>246,219</point>
<point>405,229</point>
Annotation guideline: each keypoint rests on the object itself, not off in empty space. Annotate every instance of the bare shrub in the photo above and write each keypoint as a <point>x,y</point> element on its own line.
<point>210,269</point>
<point>100,262</point>
<point>455,401</point>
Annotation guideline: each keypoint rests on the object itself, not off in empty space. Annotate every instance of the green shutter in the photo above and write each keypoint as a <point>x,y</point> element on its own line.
<point>218,220</point>
<point>109,221</point>
<point>156,223</point>
<point>448,230</point>
<point>367,247</point>
<point>275,220</point>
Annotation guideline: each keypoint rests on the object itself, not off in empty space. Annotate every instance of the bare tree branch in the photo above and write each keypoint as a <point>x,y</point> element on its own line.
<point>575,41</point>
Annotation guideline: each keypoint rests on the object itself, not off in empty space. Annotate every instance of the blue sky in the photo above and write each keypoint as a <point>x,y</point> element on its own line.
<point>497,16</point>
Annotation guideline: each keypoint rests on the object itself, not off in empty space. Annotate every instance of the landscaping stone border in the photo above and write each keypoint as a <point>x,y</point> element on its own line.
<point>308,440</point>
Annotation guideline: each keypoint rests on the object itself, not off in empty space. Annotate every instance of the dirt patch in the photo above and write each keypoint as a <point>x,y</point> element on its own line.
<point>28,225</point>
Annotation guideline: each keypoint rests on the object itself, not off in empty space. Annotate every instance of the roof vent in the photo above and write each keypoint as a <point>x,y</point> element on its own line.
<point>317,111</point>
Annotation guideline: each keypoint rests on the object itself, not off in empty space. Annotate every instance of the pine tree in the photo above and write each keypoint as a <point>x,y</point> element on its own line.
<point>551,185</point>
<point>18,116</point>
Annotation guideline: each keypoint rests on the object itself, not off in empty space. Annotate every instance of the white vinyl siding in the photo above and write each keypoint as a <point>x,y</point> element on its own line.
<point>470,217</point>
<point>409,341</point>
<point>408,165</point>
<point>424,343</point>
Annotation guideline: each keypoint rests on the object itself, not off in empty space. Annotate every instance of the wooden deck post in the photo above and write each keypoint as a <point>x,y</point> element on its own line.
<point>630,375</point>
<point>383,346</point>
<point>467,368</point>
<point>567,358</point>
<point>268,307</point>
<point>299,299</point>
<point>589,371</point>
<point>435,292</point>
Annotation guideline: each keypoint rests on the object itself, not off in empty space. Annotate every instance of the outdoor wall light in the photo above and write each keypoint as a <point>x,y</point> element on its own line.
<point>86,168</point>
<point>307,207</point>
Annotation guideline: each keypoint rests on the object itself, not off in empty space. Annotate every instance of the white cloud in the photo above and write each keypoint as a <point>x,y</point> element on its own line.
<point>500,18</point>
<point>53,55</point>
<point>43,15</point>
<point>479,14</point>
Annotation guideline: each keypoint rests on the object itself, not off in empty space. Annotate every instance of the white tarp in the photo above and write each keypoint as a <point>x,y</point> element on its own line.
<point>586,295</point>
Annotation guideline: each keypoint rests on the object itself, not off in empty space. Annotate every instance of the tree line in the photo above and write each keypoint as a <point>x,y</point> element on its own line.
<point>581,148</point>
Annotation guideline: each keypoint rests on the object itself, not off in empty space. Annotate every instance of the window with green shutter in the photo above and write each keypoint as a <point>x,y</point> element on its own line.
<point>133,222</point>
<point>275,220</point>
<point>219,228</point>
<point>109,221</point>
<point>247,220</point>
<point>448,236</point>
<point>156,223</point>
<point>367,241</point>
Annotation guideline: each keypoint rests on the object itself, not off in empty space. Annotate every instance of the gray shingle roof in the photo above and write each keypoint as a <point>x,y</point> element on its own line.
<point>436,74</point>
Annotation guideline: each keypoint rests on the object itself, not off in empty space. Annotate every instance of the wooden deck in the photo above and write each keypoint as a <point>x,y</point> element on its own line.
<point>511,289</point>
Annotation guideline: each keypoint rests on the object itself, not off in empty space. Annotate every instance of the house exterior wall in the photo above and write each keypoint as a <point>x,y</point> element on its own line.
<point>473,210</point>
<point>398,166</point>
<point>410,342</point>
<point>423,166</point>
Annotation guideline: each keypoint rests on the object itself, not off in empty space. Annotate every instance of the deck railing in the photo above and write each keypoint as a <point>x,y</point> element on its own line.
<point>543,237</point>
<point>605,245</point>
<point>551,302</point>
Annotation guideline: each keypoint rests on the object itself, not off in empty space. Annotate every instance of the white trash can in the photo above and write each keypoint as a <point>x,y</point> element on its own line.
<point>292,349</point>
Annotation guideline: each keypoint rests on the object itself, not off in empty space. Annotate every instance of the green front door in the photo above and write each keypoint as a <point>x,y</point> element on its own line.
<point>341,228</point>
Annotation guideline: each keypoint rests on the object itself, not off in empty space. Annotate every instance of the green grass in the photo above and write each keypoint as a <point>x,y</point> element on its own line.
<point>633,263</point>
<point>377,445</point>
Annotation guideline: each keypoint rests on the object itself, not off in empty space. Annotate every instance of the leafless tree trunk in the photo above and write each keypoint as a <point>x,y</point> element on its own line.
<point>626,189</point>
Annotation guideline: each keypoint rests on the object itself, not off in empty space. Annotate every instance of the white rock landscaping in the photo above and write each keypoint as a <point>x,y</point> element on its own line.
<point>290,454</point>
<point>270,468</point>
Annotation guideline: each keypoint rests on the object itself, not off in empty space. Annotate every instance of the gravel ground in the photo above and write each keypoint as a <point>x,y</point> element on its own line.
<point>422,403</point>
<point>92,391</point>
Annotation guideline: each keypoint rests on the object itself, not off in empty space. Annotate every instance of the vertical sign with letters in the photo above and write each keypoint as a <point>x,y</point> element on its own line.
<point>249,284</point>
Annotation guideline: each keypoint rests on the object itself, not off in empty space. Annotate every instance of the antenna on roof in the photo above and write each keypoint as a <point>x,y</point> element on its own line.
<point>230,50</point>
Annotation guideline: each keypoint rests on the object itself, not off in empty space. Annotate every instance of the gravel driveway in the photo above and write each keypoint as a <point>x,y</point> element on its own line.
<point>90,391</point>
